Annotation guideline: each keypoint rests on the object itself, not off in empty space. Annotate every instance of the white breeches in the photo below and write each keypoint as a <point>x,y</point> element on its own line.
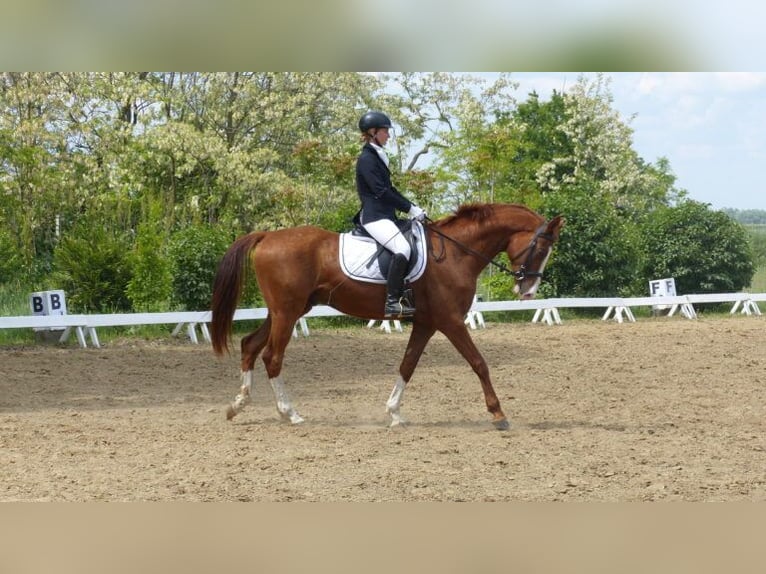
<point>387,233</point>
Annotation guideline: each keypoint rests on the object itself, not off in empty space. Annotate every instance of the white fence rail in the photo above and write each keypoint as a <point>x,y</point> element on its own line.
<point>546,310</point>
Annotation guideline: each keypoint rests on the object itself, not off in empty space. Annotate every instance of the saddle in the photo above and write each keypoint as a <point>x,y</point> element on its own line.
<point>364,259</point>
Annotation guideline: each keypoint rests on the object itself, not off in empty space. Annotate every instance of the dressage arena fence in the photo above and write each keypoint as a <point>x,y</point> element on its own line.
<point>546,311</point>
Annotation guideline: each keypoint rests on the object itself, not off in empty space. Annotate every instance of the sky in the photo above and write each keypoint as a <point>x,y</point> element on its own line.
<point>711,126</point>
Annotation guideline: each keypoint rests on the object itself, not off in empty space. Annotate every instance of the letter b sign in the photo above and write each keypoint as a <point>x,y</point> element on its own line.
<point>37,303</point>
<point>48,303</point>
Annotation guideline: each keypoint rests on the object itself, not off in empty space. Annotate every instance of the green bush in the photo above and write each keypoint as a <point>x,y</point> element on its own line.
<point>705,251</point>
<point>151,286</point>
<point>496,285</point>
<point>91,265</point>
<point>194,253</point>
<point>599,253</point>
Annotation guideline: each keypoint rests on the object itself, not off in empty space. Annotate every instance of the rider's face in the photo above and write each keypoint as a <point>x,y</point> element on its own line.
<point>381,136</point>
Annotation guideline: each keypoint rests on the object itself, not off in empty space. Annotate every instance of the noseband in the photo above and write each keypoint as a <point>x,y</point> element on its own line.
<point>522,273</point>
<point>530,251</point>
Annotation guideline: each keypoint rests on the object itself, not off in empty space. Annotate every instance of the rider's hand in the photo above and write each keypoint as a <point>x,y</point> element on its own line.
<point>416,212</point>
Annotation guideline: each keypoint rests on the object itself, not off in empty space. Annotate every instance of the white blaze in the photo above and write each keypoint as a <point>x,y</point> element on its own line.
<point>530,293</point>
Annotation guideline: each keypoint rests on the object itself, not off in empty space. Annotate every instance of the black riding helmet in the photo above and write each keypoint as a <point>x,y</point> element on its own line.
<point>373,120</point>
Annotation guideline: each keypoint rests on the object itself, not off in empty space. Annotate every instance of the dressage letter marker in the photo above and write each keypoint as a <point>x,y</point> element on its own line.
<point>48,303</point>
<point>662,287</point>
<point>36,302</point>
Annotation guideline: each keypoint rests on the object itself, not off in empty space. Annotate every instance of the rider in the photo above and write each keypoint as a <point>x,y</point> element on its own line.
<point>380,200</point>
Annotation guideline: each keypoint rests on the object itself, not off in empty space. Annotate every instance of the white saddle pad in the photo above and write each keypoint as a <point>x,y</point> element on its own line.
<point>356,253</point>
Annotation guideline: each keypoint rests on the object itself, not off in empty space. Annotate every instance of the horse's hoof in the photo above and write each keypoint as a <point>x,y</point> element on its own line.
<point>397,422</point>
<point>501,424</point>
<point>230,413</point>
<point>291,417</point>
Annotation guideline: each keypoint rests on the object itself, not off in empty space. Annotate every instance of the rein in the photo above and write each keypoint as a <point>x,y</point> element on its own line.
<point>518,275</point>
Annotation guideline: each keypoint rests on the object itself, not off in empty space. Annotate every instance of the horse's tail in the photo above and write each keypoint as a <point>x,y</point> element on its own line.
<point>227,288</point>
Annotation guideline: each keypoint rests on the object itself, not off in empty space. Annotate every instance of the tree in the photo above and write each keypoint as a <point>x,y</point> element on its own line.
<point>599,150</point>
<point>542,140</point>
<point>704,250</point>
<point>228,147</point>
<point>34,179</point>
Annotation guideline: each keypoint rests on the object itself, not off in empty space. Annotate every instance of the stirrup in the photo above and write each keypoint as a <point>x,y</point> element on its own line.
<point>400,308</point>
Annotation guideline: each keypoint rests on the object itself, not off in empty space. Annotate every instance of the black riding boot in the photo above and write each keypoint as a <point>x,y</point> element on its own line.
<point>396,306</point>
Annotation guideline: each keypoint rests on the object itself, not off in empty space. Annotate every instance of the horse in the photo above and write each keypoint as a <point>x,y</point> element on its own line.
<point>298,267</point>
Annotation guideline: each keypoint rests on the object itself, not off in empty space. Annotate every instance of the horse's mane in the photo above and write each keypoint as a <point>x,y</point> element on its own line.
<point>476,212</point>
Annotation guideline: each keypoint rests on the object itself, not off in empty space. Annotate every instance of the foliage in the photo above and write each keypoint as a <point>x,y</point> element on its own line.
<point>237,151</point>
<point>91,265</point>
<point>543,144</point>
<point>195,252</point>
<point>599,154</point>
<point>704,250</point>
<point>599,252</point>
<point>14,299</point>
<point>452,116</point>
<point>150,287</point>
<point>10,260</point>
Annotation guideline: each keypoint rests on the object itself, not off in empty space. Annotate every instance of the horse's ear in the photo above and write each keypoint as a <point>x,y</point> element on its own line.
<point>555,225</point>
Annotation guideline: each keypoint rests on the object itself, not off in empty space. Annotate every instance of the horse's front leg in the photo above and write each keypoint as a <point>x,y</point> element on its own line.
<point>418,340</point>
<point>461,339</point>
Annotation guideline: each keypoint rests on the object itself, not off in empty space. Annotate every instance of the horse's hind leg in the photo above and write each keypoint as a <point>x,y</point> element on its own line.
<point>251,346</point>
<point>279,337</point>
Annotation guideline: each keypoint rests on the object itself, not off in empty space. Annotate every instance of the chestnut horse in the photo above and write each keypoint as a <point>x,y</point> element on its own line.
<point>297,268</point>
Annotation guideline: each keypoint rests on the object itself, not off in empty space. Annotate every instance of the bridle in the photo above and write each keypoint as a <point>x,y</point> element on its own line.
<point>522,272</point>
<point>530,251</point>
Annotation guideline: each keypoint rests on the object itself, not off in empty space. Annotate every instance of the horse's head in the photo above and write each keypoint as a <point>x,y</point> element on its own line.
<point>529,252</point>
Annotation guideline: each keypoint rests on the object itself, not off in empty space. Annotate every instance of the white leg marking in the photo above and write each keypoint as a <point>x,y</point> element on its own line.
<point>243,398</point>
<point>395,401</point>
<point>284,407</point>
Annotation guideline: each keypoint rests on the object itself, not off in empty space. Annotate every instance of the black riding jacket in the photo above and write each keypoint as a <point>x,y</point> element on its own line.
<point>380,199</point>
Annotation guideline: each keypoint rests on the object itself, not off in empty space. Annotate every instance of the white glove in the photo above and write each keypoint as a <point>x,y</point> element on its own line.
<point>416,212</point>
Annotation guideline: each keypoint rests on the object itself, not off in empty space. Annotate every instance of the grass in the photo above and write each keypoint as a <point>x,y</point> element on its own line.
<point>14,301</point>
<point>758,284</point>
<point>757,236</point>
